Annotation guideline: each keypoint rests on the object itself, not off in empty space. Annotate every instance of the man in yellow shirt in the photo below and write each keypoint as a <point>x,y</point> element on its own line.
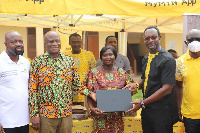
<point>188,85</point>
<point>85,60</point>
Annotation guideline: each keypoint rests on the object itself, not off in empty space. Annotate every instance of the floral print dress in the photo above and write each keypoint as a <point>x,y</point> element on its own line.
<point>97,80</point>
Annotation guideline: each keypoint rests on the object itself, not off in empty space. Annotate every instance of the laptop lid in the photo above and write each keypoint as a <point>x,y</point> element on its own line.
<point>115,100</point>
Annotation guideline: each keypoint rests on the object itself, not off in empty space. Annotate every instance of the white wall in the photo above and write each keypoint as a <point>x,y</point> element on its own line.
<point>177,38</point>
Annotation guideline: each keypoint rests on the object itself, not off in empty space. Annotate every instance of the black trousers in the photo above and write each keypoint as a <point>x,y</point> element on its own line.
<point>191,125</point>
<point>22,129</point>
<point>149,127</point>
<point>156,120</point>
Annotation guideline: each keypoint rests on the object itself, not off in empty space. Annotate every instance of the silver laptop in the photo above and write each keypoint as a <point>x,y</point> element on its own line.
<point>115,100</point>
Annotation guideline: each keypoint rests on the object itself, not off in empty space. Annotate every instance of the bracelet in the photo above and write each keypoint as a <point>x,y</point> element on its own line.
<point>137,85</point>
<point>142,104</point>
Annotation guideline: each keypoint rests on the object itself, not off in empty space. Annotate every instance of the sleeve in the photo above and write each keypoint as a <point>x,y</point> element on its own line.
<point>126,64</point>
<point>129,79</point>
<point>126,76</point>
<point>33,89</point>
<point>178,74</point>
<point>76,84</point>
<point>168,72</point>
<point>144,64</point>
<point>92,62</point>
<point>91,82</point>
<point>99,62</point>
<point>29,65</point>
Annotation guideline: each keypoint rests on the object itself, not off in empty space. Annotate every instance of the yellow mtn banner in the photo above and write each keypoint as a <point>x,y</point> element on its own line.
<point>148,8</point>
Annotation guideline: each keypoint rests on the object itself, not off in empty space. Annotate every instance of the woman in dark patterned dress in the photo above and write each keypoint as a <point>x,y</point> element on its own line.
<point>104,77</point>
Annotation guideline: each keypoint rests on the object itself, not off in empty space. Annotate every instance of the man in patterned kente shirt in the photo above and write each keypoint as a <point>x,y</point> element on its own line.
<point>84,59</point>
<point>53,78</point>
<point>158,78</point>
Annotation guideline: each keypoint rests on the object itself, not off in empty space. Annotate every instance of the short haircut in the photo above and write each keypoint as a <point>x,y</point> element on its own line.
<point>172,50</point>
<point>152,27</point>
<point>104,49</point>
<point>74,34</point>
<point>109,37</point>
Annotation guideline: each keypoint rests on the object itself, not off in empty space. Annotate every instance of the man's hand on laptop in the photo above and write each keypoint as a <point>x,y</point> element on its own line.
<point>132,87</point>
<point>136,106</point>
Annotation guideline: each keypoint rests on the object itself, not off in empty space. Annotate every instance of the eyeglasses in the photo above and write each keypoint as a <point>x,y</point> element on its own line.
<point>152,38</point>
<point>74,42</point>
<point>193,39</point>
<point>53,41</point>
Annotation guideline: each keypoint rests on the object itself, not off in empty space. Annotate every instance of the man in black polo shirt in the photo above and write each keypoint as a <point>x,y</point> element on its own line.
<point>157,82</point>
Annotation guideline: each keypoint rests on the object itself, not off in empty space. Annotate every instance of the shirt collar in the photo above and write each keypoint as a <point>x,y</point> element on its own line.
<point>46,55</point>
<point>161,51</point>
<point>79,53</point>
<point>188,57</point>
<point>187,54</point>
<point>8,60</point>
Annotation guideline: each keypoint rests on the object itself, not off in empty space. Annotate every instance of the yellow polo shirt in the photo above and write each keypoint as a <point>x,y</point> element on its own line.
<point>85,61</point>
<point>188,71</point>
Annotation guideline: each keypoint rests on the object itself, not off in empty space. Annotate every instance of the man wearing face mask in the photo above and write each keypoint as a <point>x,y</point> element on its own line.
<point>187,85</point>
<point>14,74</point>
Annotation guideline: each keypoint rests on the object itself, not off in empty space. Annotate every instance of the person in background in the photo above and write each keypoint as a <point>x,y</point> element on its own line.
<point>53,78</point>
<point>173,53</point>
<point>14,74</point>
<point>187,83</point>
<point>105,77</point>
<point>85,61</point>
<point>159,111</point>
<point>121,60</point>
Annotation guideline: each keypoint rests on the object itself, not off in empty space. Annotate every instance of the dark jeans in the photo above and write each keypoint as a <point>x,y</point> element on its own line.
<point>191,125</point>
<point>22,129</point>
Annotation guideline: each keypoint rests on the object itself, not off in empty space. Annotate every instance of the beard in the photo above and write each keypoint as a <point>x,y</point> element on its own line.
<point>19,52</point>
<point>15,52</point>
<point>154,47</point>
